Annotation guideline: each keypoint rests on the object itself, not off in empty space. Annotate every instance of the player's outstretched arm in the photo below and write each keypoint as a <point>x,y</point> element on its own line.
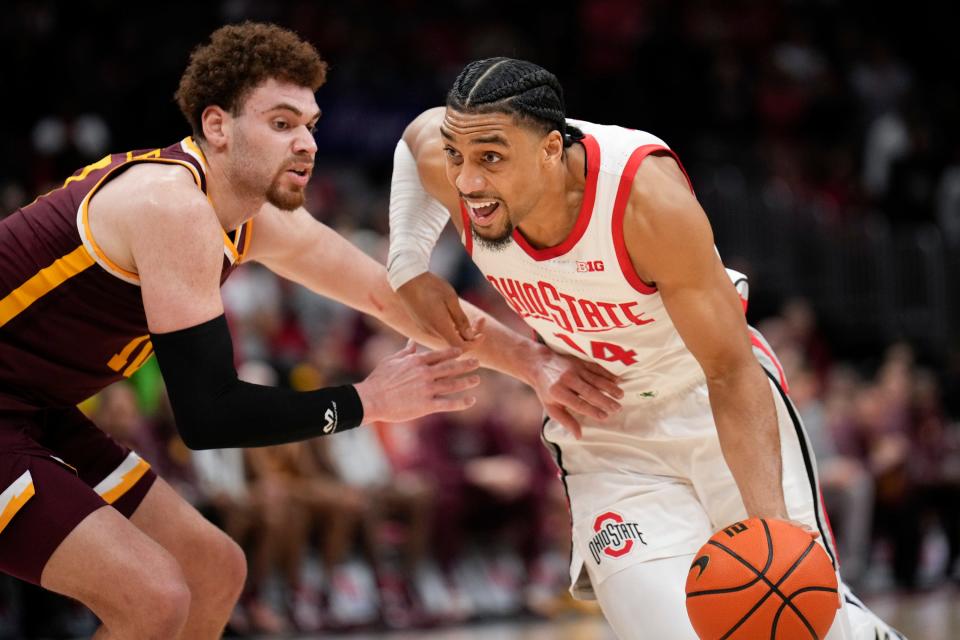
<point>670,242</point>
<point>299,248</point>
<point>421,203</point>
<point>176,244</point>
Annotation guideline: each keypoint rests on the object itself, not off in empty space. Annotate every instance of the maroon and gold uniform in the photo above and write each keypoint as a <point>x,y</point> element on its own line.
<point>71,323</point>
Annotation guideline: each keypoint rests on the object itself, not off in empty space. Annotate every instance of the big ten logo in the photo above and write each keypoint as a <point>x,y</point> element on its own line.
<point>584,266</point>
<point>735,528</point>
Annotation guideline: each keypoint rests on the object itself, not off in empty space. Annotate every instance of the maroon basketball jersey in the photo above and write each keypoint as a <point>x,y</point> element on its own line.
<point>72,321</point>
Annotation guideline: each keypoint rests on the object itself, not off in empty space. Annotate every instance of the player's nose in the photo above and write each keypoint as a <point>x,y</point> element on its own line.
<point>469,180</point>
<point>305,143</point>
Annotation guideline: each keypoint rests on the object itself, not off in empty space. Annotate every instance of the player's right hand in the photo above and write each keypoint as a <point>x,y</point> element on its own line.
<point>435,306</point>
<point>409,385</point>
<point>568,386</point>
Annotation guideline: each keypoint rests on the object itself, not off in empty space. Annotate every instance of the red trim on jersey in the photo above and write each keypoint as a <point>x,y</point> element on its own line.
<point>620,210</point>
<point>758,343</point>
<point>592,151</point>
<point>467,229</point>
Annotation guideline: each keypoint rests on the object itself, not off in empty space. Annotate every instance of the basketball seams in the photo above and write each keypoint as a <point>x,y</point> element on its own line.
<point>788,600</point>
<point>748,614</point>
<point>760,576</point>
<point>803,619</point>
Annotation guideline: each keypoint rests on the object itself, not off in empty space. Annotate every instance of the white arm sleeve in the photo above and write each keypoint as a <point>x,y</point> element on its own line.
<point>416,220</point>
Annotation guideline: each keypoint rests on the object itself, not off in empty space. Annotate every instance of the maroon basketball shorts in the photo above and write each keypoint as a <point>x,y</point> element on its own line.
<point>57,467</point>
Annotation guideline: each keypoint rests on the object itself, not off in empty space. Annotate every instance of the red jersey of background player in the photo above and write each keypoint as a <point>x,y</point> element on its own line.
<point>72,321</point>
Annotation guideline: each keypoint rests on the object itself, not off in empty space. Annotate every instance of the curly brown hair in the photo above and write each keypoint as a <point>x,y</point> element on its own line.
<point>239,58</point>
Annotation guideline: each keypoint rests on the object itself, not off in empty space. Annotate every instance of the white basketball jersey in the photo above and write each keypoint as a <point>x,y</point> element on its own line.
<point>583,296</point>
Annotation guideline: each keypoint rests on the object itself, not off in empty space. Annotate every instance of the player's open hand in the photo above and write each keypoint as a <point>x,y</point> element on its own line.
<point>435,306</point>
<point>408,385</point>
<point>568,385</point>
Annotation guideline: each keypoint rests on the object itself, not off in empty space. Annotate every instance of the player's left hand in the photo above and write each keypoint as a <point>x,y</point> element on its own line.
<point>568,385</point>
<point>435,307</point>
<point>800,525</point>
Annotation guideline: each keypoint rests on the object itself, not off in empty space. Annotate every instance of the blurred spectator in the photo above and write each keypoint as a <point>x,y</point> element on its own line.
<point>934,475</point>
<point>303,495</point>
<point>801,331</point>
<point>948,201</point>
<point>296,495</point>
<point>492,476</point>
<point>253,515</point>
<point>846,483</point>
<point>398,500</point>
<point>880,79</point>
<point>911,192</point>
<point>119,416</point>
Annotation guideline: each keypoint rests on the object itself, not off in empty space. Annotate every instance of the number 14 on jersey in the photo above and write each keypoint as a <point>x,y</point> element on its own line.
<point>605,351</point>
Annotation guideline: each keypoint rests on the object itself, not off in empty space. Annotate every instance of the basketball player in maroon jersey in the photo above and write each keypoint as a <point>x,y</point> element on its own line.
<point>593,235</point>
<point>125,259</point>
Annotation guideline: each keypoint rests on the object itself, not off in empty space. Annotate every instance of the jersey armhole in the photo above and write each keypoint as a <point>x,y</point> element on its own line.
<point>620,209</point>
<point>83,215</point>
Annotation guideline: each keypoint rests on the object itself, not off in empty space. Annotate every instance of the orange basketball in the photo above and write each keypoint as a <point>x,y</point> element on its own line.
<point>761,579</point>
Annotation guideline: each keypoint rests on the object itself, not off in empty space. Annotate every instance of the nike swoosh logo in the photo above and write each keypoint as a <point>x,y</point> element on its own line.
<point>700,563</point>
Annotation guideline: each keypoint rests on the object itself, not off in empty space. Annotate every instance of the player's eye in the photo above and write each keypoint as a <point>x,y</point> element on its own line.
<point>452,153</point>
<point>280,125</point>
<point>490,157</point>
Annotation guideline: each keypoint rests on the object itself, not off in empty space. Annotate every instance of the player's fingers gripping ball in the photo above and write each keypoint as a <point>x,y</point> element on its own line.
<point>761,579</point>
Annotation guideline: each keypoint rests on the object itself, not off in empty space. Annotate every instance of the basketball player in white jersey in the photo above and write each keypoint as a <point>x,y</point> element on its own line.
<point>593,235</point>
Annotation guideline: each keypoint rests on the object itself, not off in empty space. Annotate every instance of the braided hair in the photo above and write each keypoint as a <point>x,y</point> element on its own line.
<point>515,87</point>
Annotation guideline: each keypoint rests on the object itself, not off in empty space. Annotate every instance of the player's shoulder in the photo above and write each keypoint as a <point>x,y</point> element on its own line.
<point>616,142</point>
<point>153,189</point>
<point>620,149</point>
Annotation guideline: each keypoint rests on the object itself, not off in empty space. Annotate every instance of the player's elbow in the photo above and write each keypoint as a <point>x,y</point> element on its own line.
<point>197,426</point>
<point>194,435</point>
<point>428,121</point>
<point>730,372</point>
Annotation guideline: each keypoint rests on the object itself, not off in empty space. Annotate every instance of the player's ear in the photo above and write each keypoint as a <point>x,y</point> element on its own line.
<point>553,147</point>
<point>215,123</point>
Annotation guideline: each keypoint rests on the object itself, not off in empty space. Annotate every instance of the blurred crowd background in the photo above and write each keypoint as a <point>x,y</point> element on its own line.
<point>822,139</point>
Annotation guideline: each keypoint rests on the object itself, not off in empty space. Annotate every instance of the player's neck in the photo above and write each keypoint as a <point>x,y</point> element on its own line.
<point>232,206</point>
<point>555,214</point>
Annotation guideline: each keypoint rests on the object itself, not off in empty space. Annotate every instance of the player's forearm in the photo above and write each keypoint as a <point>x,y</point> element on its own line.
<point>416,220</point>
<point>505,350</point>
<point>746,422</point>
<point>216,410</point>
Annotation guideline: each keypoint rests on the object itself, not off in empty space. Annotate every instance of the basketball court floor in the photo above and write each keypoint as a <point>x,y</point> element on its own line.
<point>934,615</point>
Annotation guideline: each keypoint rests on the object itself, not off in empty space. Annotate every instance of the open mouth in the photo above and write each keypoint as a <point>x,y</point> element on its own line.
<point>482,212</point>
<point>300,176</point>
